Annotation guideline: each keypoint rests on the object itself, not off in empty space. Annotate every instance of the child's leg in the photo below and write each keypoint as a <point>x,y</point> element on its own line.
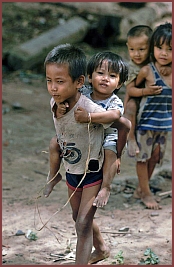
<point>87,230</point>
<point>102,251</point>
<point>55,160</point>
<point>144,172</point>
<point>126,99</point>
<point>130,113</point>
<point>124,127</point>
<point>110,167</point>
<point>109,172</point>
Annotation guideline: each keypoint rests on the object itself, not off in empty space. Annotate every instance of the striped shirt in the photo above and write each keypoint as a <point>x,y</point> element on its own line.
<point>156,113</point>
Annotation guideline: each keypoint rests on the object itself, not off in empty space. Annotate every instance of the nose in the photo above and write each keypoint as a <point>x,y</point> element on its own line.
<point>137,53</point>
<point>53,87</point>
<point>105,77</point>
<point>163,52</point>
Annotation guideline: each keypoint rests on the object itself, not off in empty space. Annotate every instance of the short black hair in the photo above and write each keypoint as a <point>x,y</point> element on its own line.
<point>140,30</point>
<point>71,55</point>
<point>115,63</point>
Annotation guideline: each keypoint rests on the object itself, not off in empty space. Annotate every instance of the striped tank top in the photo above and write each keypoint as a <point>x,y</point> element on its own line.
<point>157,112</point>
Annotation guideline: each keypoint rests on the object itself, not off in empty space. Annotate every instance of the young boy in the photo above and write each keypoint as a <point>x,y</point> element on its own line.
<point>154,120</point>
<point>104,82</point>
<point>138,40</point>
<point>65,73</point>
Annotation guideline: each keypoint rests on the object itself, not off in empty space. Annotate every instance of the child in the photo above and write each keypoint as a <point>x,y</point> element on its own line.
<point>138,39</point>
<point>105,79</point>
<point>65,73</point>
<point>155,113</point>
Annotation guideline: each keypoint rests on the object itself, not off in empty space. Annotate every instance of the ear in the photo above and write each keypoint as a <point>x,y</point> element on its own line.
<point>119,86</point>
<point>89,79</point>
<point>80,81</point>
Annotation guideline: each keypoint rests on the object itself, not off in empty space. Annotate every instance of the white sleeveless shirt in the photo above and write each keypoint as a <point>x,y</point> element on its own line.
<point>75,141</point>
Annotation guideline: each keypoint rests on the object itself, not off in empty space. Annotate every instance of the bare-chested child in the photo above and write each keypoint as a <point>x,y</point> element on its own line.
<point>154,119</point>
<point>138,40</point>
<point>104,81</point>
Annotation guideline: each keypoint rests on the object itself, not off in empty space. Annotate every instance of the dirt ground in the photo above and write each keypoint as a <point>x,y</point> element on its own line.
<point>27,128</point>
<point>125,223</point>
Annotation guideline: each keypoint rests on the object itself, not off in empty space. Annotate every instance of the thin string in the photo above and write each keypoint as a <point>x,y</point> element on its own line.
<point>86,168</point>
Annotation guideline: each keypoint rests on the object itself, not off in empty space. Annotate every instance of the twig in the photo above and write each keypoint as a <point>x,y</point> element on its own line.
<point>165,193</point>
<point>111,232</point>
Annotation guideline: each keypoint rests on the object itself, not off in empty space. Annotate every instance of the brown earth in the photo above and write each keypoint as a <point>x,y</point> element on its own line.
<point>27,129</point>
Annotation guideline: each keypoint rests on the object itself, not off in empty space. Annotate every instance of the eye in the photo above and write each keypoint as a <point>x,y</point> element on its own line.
<point>59,81</point>
<point>100,72</point>
<point>113,75</point>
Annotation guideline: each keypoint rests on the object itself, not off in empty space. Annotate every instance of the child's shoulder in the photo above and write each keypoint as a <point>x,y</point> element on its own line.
<point>88,104</point>
<point>145,70</point>
<point>85,89</point>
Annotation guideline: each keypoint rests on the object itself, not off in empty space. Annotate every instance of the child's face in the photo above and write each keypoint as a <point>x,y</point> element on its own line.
<point>59,83</point>
<point>104,81</point>
<point>138,48</point>
<point>163,54</point>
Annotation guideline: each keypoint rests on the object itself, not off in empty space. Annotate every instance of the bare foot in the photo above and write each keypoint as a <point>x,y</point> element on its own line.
<point>98,256</point>
<point>137,194</point>
<point>49,186</point>
<point>150,202</point>
<point>102,197</point>
<point>132,148</point>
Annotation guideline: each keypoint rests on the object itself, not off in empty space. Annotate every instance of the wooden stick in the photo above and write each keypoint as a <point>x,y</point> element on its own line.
<point>165,193</point>
<point>112,232</point>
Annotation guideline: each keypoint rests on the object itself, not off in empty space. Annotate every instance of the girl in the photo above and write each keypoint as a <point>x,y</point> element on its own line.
<point>155,113</point>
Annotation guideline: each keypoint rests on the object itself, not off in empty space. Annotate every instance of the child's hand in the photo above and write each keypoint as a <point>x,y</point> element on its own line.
<point>118,163</point>
<point>81,115</point>
<point>153,89</point>
<point>165,71</point>
<point>62,108</point>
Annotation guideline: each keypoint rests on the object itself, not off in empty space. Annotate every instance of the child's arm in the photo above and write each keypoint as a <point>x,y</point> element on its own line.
<point>134,91</point>
<point>166,70</point>
<point>108,116</point>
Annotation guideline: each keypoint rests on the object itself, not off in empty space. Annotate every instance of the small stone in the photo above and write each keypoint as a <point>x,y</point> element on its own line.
<point>16,105</point>
<point>124,229</point>
<point>19,232</point>
<point>154,213</point>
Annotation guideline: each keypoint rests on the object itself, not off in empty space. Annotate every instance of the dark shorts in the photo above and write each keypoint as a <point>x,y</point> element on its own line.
<point>91,179</point>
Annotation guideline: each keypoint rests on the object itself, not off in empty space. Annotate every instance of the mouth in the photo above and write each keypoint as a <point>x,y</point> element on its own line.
<point>103,85</point>
<point>54,95</point>
<point>137,59</point>
<point>162,58</point>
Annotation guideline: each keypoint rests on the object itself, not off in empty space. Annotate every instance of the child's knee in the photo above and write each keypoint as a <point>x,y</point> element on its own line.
<point>54,146</point>
<point>82,227</point>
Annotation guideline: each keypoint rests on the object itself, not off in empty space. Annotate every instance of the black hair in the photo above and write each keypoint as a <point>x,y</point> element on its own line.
<point>68,54</point>
<point>162,34</point>
<point>115,64</point>
<point>140,30</point>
